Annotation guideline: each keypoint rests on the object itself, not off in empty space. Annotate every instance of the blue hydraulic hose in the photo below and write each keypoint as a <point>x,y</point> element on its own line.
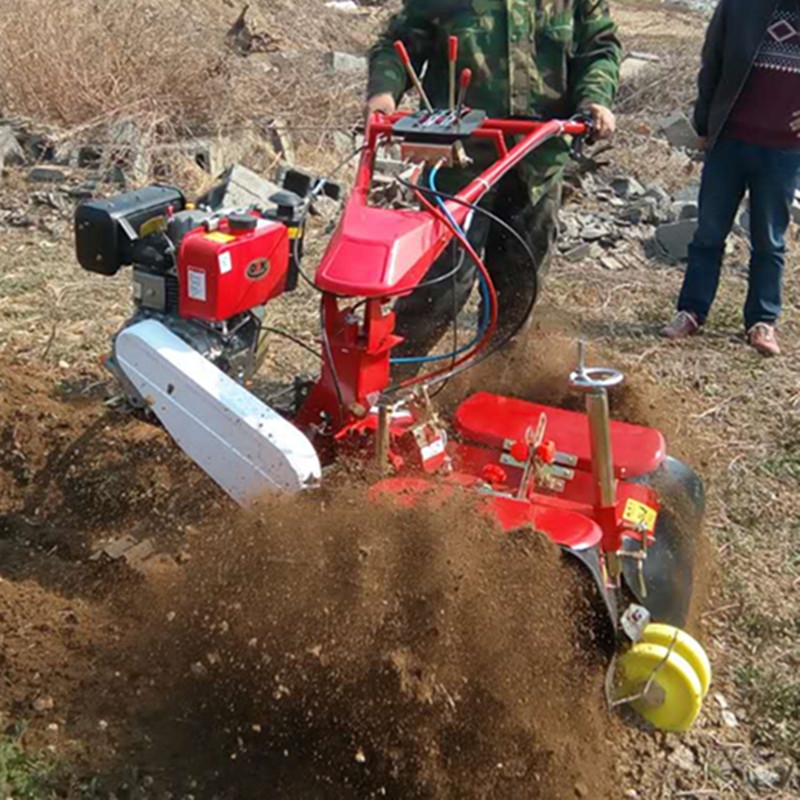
<point>484,289</point>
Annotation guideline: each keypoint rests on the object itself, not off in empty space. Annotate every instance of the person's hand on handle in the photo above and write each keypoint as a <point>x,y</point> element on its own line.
<point>380,103</point>
<point>605,123</point>
<point>795,123</point>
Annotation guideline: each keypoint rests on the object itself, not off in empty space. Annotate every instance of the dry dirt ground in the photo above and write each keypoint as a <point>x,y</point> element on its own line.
<point>311,656</point>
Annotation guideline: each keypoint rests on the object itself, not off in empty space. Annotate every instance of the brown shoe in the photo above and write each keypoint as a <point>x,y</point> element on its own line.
<point>684,324</point>
<point>763,338</point>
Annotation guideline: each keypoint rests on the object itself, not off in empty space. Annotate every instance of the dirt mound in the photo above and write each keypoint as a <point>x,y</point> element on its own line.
<point>315,650</point>
<point>400,653</point>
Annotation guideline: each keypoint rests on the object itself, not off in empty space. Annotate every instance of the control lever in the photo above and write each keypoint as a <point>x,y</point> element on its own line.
<point>452,54</point>
<point>400,48</point>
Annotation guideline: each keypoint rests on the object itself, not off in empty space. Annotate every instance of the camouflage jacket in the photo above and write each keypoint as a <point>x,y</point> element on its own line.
<point>529,58</point>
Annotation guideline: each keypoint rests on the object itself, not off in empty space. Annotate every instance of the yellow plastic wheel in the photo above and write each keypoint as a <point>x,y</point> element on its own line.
<point>685,646</point>
<point>675,694</point>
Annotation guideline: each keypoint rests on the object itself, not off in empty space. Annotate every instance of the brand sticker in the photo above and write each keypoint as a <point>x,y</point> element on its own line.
<point>258,269</point>
<point>197,284</point>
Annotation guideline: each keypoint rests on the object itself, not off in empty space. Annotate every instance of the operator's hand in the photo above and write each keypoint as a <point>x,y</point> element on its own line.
<point>702,143</point>
<point>381,103</point>
<point>605,123</point>
<point>795,123</point>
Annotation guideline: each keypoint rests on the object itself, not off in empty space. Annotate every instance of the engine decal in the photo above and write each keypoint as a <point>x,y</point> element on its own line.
<point>258,269</point>
<point>197,284</point>
<point>225,263</point>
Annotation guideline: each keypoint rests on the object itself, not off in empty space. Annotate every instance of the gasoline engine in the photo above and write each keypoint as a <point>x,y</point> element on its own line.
<point>206,274</point>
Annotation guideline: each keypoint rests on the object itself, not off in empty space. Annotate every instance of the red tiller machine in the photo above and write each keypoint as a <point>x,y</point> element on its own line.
<point>606,492</point>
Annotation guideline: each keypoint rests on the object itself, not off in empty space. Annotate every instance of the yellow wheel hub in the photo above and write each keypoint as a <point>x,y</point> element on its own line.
<point>661,684</point>
<point>685,646</point>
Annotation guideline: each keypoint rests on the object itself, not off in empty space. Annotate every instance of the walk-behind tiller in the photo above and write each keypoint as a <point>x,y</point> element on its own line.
<point>605,492</point>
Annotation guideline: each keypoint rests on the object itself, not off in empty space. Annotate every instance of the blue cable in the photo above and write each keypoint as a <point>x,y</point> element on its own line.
<point>484,289</point>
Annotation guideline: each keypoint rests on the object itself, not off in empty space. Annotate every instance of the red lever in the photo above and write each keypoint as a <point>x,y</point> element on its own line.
<point>546,452</point>
<point>520,452</point>
<point>452,51</point>
<point>466,78</point>
<point>403,53</point>
<point>405,58</point>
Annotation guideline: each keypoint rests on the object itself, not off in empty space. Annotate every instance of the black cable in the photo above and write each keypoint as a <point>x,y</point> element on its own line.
<point>293,339</point>
<point>318,187</point>
<point>489,352</point>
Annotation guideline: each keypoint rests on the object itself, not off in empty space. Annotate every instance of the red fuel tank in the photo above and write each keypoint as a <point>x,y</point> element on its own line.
<point>242,264</point>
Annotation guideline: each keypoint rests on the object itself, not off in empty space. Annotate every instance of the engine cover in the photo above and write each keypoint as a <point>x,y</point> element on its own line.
<point>231,270</point>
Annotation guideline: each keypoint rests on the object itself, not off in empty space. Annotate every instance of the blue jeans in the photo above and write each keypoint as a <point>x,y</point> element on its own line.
<point>731,169</point>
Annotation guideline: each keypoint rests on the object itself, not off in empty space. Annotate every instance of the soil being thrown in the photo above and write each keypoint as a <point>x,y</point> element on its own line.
<point>325,647</point>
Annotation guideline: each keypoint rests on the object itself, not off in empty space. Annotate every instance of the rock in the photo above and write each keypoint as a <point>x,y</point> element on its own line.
<point>345,62</point>
<point>240,187</point>
<point>658,193</point>
<point>282,140</point>
<point>82,192</point>
<point>11,152</point>
<point>689,194</point>
<point>729,719</point>
<point>683,211</point>
<point>611,263</point>
<point>578,253</point>
<point>389,166</point>
<point>49,199</point>
<point>679,132</point>
<point>674,238</point>
<point>129,150</point>
<point>636,65</point>
<point>764,778</point>
<point>642,211</point>
<point>593,233</point>
<point>683,758</point>
<point>42,704</point>
<point>627,188</point>
<point>570,226</point>
<point>581,789</point>
<point>47,175</point>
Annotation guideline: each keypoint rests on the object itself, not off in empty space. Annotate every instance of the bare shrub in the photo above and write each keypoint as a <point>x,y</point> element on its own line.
<point>75,62</point>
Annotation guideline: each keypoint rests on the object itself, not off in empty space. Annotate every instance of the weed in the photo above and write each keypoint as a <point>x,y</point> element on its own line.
<point>24,776</point>
<point>774,701</point>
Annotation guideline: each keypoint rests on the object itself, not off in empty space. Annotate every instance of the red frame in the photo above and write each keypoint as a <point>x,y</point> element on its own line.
<point>377,254</point>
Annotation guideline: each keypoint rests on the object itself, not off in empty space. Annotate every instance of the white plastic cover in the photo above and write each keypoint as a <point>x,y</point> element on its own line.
<point>243,445</point>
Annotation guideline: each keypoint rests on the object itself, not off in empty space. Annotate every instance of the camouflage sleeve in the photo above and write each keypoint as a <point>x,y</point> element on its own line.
<point>594,66</point>
<point>413,26</point>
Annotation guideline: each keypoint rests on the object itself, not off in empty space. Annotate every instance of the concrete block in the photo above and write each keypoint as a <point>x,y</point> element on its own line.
<point>679,131</point>
<point>240,187</point>
<point>674,239</point>
<point>11,152</point>
<point>345,62</point>
<point>627,188</point>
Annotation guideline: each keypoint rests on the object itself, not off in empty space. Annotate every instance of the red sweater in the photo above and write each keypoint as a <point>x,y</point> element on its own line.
<point>763,112</point>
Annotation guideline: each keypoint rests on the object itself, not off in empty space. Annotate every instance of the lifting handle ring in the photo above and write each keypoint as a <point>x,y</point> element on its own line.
<point>592,379</point>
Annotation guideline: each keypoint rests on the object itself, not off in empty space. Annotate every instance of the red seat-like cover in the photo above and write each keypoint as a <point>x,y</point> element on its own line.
<point>491,419</point>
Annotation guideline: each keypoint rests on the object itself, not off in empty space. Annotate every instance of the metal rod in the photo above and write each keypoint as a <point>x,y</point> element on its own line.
<point>382,443</point>
<point>603,463</point>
